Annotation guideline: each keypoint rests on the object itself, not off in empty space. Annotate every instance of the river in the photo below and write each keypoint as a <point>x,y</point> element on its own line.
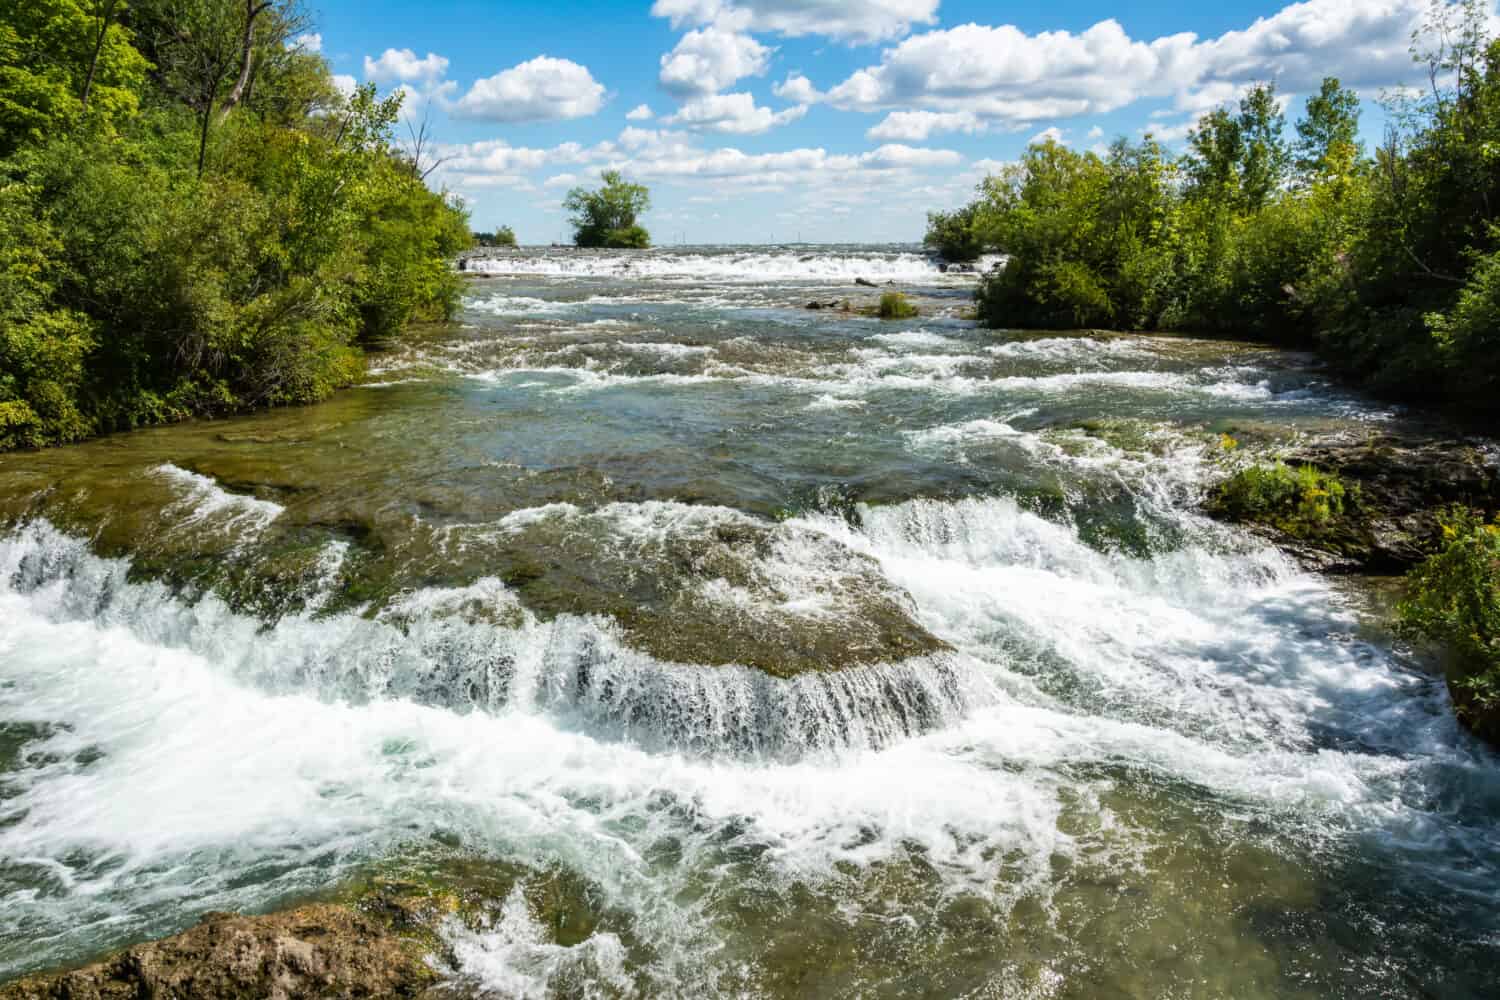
<point>835,656</point>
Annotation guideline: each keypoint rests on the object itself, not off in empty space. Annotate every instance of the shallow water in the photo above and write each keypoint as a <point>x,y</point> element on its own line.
<point>838,657</point>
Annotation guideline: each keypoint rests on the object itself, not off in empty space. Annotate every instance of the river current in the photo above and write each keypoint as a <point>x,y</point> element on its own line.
<point>834,656</point>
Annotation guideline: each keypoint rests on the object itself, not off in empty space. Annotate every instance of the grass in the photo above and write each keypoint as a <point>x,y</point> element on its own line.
<point>1303,501</point>
<point>894,305</point>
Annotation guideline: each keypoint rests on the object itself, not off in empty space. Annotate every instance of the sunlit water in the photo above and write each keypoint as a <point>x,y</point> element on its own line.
<point>839,657</point>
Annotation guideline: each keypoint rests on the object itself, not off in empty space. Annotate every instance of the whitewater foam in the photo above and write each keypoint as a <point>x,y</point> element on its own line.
<point>750,267</point>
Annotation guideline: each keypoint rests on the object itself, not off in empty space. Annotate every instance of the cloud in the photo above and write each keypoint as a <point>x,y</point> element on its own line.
<point>640,113</point>
<point>917,126</point>
<point>672,156</point>
<point>1170,133</point>
<point>542,89</point>
<point>707,61</point>
<point>403,66</point>
<point>797,89</point>
<point>345,84</point>
<point>1004,75</point>
<point>894,156</point>
<point>310,42</point>
<point>1096,132</point>
<point>735,114</point>
<point>1053,134</point>
<point>854,21</point>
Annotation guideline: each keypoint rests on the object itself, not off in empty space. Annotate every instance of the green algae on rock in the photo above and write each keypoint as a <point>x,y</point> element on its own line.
<point>378,936</point>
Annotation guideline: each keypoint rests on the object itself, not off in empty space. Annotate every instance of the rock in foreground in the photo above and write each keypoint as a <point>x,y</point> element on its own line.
<point>321,950</point>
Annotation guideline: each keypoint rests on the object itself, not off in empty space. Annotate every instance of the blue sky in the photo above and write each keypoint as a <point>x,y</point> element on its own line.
<point>832,120</point>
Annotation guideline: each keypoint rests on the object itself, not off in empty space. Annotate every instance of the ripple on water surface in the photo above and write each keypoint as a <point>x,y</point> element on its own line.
<point>834,657</point>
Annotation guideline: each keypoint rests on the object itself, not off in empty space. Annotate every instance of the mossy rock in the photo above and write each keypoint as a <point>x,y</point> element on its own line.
<point>376,936</point>
<point>1309,510</point>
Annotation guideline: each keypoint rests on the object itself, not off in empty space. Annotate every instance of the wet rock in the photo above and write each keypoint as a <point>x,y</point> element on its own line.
<point>1398,486</point>
<point>377,938</point>
<point>321,950</point>
<point>866,282</point>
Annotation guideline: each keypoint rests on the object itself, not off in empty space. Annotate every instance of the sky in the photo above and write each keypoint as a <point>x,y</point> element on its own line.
<point>759,121</point>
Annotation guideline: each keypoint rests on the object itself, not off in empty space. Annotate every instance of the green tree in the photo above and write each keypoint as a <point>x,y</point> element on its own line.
<point>607,217</point>
<point>1240,158</point>
<point>1328,136</point>
<point>1262,126</point>
<point>57,58</point>
<point>953,235</point>
<point>205,51</point>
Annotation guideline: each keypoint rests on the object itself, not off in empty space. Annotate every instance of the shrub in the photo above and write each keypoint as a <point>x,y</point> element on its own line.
<point>1301,500</point>
<point>953,235</point>
<point>894,305</point>
<point>1454,598</point>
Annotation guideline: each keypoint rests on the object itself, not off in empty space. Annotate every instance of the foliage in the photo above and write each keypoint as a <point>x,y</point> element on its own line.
<point>607,217</point>
<point>46,50</point>
<point>1090,239</point>
<point>1302,500</point>
<point>1386,263</point>
<point>502,237</point>
<point>953,235</point>
<point>894,305</point>
<point>134,289</point>
<point>1454,598</point>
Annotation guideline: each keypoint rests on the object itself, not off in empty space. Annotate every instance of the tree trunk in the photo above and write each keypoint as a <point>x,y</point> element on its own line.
<point>252,11</point>
<point>88,83</point>
<point>208,114</point>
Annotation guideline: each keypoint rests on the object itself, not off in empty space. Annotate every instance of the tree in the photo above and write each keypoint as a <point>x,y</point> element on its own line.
<point>1240,159</point>
<point>1328,137</point>
<point>106,11</point>
<point>1215,148</point>
<point>502,237</point>
<point>1265,156</point>
<point>607,217</point>
<point>205,51</point>
<point>952,235</point>
<point>56,57</point>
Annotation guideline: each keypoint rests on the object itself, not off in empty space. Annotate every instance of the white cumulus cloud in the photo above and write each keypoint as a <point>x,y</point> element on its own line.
<point>917,126</point>
<point>707,61</point>
<point>735,114</point>
<point>403,66</point>
<point>541,89</point>
<point>847,20</point>
<point>798,89</point>
<point>640,113</point>
<point>1004,75</point>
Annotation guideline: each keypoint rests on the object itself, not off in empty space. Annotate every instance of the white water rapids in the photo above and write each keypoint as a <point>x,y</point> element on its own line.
<point>1125,769</point>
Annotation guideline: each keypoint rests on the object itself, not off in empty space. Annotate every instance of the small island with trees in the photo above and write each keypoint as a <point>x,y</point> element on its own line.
<point>606,218</point>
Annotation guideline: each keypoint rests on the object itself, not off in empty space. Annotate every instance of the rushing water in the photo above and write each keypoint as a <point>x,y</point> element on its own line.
<point>837,657</point>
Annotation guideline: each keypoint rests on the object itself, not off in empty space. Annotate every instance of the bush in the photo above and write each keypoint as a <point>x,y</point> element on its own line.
<point>1454,598</point>
<point>894,305</point>
<point>1302,501</point>
<point>954,235</point>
